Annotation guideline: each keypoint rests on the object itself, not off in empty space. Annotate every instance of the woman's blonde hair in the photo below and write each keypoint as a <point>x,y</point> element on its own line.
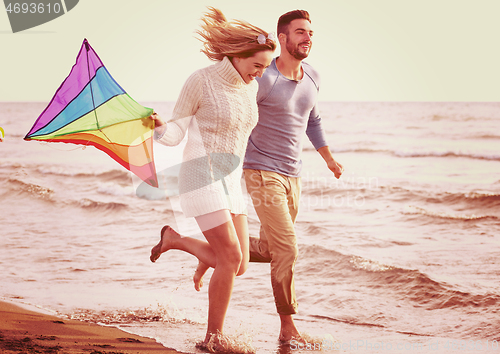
<point>235,38</point>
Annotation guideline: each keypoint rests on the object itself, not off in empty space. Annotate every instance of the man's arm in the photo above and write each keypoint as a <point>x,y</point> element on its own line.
<point>333,165</point>
<point>317,137</point>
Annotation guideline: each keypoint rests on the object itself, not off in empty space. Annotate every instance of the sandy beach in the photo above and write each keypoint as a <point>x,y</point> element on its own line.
<point>25,331</point>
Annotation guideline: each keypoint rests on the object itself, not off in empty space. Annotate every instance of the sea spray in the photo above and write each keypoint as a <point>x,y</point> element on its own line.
<point>223,343</point>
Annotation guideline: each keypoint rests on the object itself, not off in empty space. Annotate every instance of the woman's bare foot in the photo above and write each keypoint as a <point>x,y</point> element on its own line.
<point>167,239</point>
<point>211,343</point>
<point>220,343</point>
<point>200,271</point>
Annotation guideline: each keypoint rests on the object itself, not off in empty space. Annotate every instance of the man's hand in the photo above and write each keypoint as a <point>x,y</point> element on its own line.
<point>333,165</point>
<point>336,168</point>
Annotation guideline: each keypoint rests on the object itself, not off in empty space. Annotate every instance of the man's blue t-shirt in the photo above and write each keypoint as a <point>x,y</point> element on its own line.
<point>287,109</point>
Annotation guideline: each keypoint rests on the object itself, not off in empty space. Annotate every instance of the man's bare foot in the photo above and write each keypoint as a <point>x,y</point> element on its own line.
<point>288,330</point>
<point>167,238</point>
<point>200,271</point>
<point>287,338</point>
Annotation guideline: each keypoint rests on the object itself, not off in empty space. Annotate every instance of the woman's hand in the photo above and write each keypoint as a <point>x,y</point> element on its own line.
<point>157,119</point>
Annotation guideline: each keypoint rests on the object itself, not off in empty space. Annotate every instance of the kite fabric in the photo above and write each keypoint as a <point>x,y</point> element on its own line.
<point>90,108</point>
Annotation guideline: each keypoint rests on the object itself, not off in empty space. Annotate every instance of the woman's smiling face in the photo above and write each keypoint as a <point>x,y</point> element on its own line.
<point>251,67</point>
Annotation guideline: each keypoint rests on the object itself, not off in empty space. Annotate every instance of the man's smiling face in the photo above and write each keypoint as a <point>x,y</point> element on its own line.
<point>299,38</point>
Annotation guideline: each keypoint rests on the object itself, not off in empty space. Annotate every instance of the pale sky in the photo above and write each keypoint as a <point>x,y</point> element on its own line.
<point>365,50</point>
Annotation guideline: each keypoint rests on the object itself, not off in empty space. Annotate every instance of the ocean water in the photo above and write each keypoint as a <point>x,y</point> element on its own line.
<point>400,255</point>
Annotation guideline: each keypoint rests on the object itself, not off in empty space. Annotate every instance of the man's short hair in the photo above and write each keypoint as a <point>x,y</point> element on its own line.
<point>285,19</point>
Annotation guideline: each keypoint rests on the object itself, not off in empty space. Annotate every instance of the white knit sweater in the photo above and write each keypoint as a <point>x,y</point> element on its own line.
<point>218,110</point>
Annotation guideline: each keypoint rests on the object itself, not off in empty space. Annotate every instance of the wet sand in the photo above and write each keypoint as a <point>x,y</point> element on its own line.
<point>26,331</point>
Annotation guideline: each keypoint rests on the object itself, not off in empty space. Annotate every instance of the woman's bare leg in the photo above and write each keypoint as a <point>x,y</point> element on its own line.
<point>227,251</point>
<point>171,239</point>
<point>225,244</point>
<point>241,225</point>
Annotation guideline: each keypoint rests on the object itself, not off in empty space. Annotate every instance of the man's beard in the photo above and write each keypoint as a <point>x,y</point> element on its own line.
<point>294,50</point>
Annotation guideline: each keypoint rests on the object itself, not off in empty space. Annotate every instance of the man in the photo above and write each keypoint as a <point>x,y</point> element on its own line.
<point>287,108</point>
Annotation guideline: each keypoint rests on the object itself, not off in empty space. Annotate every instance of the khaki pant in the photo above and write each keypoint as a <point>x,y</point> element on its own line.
<point>276,201</point>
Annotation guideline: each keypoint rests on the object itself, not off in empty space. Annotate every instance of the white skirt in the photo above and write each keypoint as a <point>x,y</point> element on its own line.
<point>212,183</point>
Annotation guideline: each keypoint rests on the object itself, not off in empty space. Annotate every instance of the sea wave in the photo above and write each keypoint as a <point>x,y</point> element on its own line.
<point>454,154</point>
<point>31,189</point>
<point>479,199</point>
<point>349,321</point>
<point>162,313</point>
<point>11,164</point>
<point>443,216</point>
<point>407,284</point>
<point>482,200</point>
<point>234,343</point>
<point>487,136</point>
<point>114,174</point>
<point>92,205</point>
<point>111,188</point>
<point>419,154</point>
<point>38,191</point>
<point>473,201</point>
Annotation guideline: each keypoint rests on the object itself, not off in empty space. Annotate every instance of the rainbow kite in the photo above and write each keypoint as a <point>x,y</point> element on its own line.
<point>90,108</point>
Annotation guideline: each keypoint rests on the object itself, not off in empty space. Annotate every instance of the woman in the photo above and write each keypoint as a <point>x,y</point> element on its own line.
<point>217,107</point>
